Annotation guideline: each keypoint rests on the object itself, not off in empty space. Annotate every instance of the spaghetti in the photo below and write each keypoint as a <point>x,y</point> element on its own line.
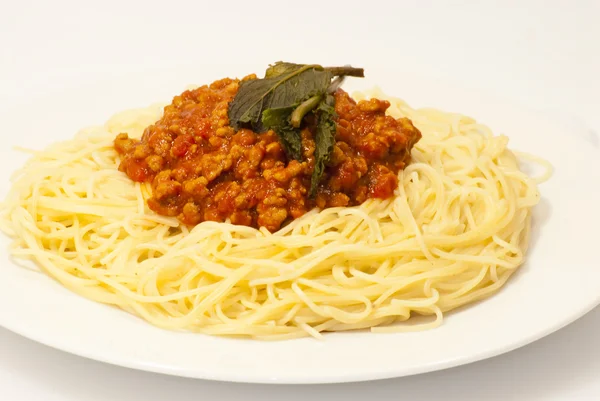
<point>455,230</point>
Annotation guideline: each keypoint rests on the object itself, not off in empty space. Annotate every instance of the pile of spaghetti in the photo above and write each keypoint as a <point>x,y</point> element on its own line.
<point>454,231</point>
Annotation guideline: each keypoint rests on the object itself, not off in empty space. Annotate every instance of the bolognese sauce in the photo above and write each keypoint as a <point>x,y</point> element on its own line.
<point>201,169</point>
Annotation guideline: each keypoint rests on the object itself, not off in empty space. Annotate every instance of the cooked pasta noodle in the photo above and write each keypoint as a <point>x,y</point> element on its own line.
<point>453,233</point>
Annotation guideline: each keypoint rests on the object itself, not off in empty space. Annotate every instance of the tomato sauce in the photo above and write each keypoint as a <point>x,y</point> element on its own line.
<point>201,169</point>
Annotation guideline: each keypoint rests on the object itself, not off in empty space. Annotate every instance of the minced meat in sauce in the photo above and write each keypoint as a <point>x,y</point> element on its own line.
<point>202,169</point>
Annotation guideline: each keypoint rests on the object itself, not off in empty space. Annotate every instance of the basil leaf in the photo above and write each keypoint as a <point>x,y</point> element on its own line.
<point>292,86</point>
<point>284,84</point>
<point>324,141</point>
<point>281,99</point>
<point>279,121</point>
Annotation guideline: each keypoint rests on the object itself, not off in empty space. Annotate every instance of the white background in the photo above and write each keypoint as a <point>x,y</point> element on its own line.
<point>541,54</point>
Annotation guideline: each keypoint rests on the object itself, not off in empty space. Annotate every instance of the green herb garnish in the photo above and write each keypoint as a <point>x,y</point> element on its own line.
<point>279,120</point>
<point>282,99</point>
<point>324,140</point>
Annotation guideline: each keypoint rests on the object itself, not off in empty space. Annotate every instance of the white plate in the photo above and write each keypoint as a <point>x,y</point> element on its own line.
<point>559,283</point>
